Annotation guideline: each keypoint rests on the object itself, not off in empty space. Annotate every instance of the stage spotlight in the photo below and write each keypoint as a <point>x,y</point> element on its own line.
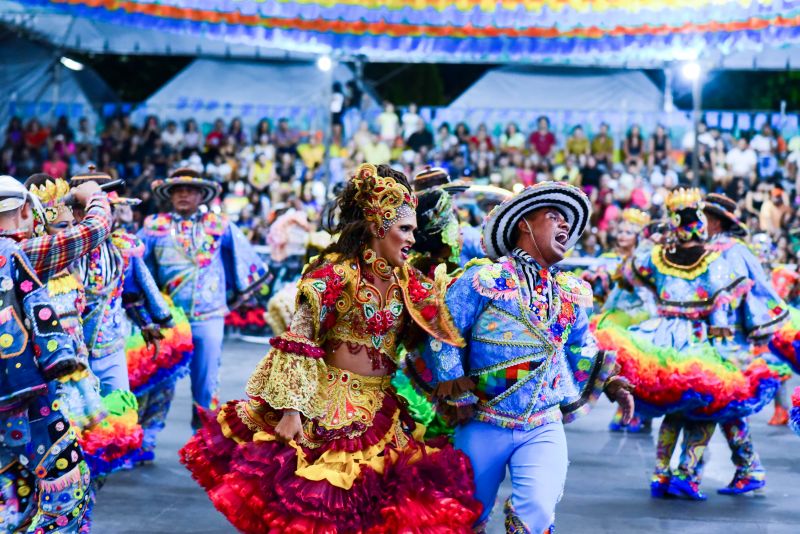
<point>71,64</point>
<point>691,70</point>
<point>324,63</point>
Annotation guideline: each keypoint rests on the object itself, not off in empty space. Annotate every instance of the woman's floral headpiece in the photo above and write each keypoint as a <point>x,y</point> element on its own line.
<point>52,193</point>
<point>382,199</point>
<point>636,217</point>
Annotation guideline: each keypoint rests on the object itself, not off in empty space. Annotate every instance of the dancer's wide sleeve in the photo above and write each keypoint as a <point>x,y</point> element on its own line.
<point>585,369</point>
<point>293,373</point>
<point>142,300</point>
<point>245,271</point>
<point>444,364</point>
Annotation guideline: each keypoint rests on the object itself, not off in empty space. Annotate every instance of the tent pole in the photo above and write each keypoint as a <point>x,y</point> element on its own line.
<point>696,105</point>
<point>56,86</point>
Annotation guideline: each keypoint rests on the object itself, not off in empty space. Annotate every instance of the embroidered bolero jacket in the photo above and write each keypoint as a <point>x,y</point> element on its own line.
<point>336,305</point>
<point>202,262</point>
<point>526,372</point>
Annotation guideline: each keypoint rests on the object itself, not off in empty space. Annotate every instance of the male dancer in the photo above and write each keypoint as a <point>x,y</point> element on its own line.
<point>531,363</point>
<point>44,480</point>
<point>203,262</point>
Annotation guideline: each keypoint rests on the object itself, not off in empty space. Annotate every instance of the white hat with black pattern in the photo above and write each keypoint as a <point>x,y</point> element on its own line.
<point>501,221</point>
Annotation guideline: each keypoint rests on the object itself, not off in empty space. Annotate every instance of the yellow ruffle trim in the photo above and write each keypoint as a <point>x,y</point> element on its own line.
<point>688,272</point>
<point>63,284</point>
<point>341,468</point>
<point>290,381</point>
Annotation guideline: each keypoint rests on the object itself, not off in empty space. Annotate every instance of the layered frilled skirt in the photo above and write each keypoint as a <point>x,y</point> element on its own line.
<point>362,467</point>
<point>148,370</point>
<point>676,368</point>
<point>794,415</point>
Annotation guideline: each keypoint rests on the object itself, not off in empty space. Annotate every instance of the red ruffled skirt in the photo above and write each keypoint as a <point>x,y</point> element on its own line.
<point>362,467</point>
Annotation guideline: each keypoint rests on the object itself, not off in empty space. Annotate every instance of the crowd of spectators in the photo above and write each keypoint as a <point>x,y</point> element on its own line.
<point>276,164</point>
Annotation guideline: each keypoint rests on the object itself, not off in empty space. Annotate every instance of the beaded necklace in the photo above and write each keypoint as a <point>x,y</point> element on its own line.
<point>196,243</point>
<point>549,310</point>
<point>377,265</point>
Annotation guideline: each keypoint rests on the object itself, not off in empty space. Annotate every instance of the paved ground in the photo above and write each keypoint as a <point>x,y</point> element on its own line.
<point>607,486</point>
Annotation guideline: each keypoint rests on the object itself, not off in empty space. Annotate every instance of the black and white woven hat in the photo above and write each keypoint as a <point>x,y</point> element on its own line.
<point>501,221</point>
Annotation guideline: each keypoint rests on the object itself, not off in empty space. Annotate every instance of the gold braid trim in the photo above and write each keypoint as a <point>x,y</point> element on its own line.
<point>286,380</point>
<point>687,272</point>
<point>441,325</point>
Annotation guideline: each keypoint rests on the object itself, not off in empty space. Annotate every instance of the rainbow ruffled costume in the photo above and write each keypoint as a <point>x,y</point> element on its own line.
<point>625,306</point>
<point>153,375</point>
<point>108,434</point>
<point>120,293</point>
<point>360,464</point>
<point>675,360</point>
<point>694,361</point>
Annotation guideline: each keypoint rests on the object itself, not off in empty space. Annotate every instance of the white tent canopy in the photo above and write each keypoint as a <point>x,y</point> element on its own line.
<point>562,89</point>
<point>36,84</point>
<point>208,89</point>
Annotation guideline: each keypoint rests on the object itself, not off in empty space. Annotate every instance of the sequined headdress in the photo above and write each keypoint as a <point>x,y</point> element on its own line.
<point>686,214</point>
<point>636,217</point>
<point>682,199</point>
<point>382,199</point>
<point>51,193</point>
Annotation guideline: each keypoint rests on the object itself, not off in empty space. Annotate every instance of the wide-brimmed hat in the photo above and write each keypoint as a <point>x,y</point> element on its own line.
<point>725,208</point>
<point>185,177</point>
<point>115,200</point>
<point>430,178</point>
<point>501,221</point>
<point>100,178</point>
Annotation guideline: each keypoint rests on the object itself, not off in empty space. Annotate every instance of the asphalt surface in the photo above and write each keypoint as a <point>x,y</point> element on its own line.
<point>606,492</point>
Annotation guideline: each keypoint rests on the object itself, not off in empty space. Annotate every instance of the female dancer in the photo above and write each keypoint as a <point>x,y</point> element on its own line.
<point>677,360</point>
<point>627,305</point>
<point>322,444</point>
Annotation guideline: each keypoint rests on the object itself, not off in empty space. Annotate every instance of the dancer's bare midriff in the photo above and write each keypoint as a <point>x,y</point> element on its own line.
<point>357,362</point>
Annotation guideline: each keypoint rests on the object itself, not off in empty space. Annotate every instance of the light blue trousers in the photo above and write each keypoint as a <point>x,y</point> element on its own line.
<point>537,460</point>
<point>111,371</point>
<point>204,367</point>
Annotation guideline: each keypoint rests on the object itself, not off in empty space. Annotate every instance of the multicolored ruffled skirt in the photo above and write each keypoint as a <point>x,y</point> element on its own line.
<point>116,442</point>
<point>786,342</point>
<point>148,370</point>
<point>674,368</point>
<point>794,414</point>
<point>363,467</point>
